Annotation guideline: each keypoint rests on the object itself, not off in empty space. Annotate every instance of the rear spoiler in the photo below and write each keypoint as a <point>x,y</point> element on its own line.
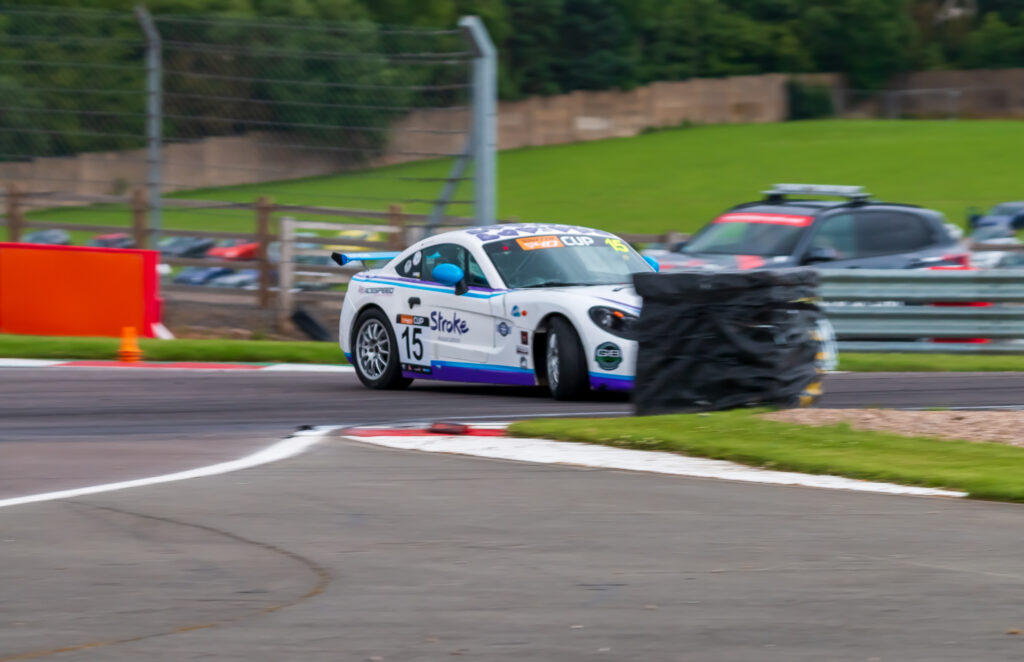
<point>344,258</point>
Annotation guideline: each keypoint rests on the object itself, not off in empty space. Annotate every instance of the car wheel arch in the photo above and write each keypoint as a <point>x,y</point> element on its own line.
<point>539,344</point>
<point>359,313</point>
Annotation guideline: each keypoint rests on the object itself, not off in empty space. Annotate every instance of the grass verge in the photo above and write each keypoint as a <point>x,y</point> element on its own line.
<point>219,351</point>
<point>668,180</point>
<point>983,470</point>
<point>930,363</point>
<point>272,351</point>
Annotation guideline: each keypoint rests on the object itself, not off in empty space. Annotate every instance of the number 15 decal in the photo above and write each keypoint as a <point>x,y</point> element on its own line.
<point>413,345</point>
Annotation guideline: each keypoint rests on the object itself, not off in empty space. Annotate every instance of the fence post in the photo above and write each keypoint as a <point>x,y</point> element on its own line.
<point>484,91</point>
<point>396,217</point>
<point>140,209</point>
<point>15,216</point>
<point>154,116</point>
<point>263,209</point>
<point>285,274</point>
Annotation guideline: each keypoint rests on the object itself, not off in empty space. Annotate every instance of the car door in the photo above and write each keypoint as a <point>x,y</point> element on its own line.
<point>459,328</point>
<point>873,239</point>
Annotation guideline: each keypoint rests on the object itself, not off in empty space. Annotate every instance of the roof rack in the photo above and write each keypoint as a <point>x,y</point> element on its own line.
<point>779,192</point>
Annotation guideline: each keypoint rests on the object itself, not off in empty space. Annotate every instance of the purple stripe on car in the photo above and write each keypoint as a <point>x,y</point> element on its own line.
<point>454,373</point>
<point>611,384</point>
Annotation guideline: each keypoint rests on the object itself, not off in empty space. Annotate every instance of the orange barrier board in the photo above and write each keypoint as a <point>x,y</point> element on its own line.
<point>77,290</point>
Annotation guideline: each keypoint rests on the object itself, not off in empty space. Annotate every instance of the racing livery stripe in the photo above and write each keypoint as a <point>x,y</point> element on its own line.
<point>477,373</point>
<point>611,382</point>
<point>473,293</point>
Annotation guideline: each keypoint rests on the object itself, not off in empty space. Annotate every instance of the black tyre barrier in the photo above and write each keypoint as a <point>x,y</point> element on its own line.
<point>712,341</point>
<point>310,325</point>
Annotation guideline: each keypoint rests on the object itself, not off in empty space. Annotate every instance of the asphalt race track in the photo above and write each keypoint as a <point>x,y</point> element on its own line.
<point>352,552</point>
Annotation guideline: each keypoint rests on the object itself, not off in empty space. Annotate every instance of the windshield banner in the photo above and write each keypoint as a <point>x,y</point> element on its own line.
<point>775,219</point>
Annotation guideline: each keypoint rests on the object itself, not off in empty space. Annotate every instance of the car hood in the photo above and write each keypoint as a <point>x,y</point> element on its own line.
<point>623,296</point>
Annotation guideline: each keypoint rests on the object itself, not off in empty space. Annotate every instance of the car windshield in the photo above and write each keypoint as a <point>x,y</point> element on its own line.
<point>1006,210</point>
<point>749,234</point>
<point>986,232</point>
<point>564,260</point>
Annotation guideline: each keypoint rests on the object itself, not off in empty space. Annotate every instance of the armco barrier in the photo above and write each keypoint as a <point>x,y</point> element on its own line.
<point>892,310</point>
<point>77,291</point>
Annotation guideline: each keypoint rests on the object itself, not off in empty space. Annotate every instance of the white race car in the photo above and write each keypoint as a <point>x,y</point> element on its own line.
<point>521,304</point>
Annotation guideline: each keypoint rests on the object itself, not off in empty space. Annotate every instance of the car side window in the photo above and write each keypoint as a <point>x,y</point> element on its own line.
<point>457,255</point>
<point>410,266</point>
<point>836,233</point>
<point>887,233</point>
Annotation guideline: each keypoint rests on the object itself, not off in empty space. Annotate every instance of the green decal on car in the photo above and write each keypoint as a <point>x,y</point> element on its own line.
<point>608,356</point>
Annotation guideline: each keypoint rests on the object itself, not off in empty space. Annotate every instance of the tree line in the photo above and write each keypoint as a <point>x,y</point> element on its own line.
<point>546,47</point>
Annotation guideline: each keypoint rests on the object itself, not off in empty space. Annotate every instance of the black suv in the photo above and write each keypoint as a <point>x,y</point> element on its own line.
<point>786,231</point>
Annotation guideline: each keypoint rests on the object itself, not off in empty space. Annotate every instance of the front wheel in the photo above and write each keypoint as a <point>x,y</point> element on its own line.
<point>565,361</point>
<point>375,353</point>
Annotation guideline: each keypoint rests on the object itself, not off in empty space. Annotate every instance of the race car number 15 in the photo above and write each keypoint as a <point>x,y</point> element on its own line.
<point>413,344</point>
<point>617,245</point>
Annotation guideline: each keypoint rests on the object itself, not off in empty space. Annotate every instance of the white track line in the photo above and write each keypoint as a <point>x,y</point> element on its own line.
<point>307,367</point>
<point>284,449</point>
<point>589,455</point>
<point>28,363</point>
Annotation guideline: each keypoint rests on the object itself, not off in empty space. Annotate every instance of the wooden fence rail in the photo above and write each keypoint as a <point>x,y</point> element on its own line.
<point>399,227</point>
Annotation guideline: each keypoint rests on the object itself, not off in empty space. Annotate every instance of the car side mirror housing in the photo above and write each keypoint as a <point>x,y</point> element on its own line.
<point>820,254</point>
<point>651,261</point>
<point>450,274</point>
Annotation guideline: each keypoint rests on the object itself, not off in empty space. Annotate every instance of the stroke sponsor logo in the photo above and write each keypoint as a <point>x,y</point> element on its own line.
<point>412,320</point>
<point>535,243</point>
<point>608,356</point>
<point>443,324</point>
<point>771,219</point>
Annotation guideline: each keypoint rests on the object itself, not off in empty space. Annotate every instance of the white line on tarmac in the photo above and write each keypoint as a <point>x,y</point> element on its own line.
<point>307,367</point>
<point>589,455</point>
<point>282,450</point>
<point>28,363</point>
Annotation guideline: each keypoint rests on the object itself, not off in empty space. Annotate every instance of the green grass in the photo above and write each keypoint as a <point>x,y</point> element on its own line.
<point>674,179</point>
<point>220,351</point>
<point>985,471</point>
<point>930,363</point>
<point>260,351</point>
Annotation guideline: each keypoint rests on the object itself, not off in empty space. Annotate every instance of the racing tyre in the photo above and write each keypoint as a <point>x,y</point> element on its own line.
<point>566,363</point>
<point>375,353</point>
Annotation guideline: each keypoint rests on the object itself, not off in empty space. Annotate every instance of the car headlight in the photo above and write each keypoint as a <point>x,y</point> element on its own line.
<point>614,321</point>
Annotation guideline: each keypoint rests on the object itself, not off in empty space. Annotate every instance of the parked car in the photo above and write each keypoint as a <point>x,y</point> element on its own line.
<point>200,275</point>
<point>234,249</point>
<point>1005,219</point>
<point>358,235</point>
<point>50,237</point>
<point>184,246</point>
<point>786,229</point>
<point>244,279</point>
<point>116,240</point>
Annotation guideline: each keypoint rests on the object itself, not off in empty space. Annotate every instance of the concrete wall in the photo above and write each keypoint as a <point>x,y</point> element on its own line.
<point>537,121</point>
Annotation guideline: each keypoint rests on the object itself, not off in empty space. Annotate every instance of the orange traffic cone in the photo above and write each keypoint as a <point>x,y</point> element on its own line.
<point>129,351</point>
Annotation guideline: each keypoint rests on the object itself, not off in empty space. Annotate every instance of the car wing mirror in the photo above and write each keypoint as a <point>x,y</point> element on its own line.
<point>450,274</point>
<point>821,254</point>
<point>654,263</point>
